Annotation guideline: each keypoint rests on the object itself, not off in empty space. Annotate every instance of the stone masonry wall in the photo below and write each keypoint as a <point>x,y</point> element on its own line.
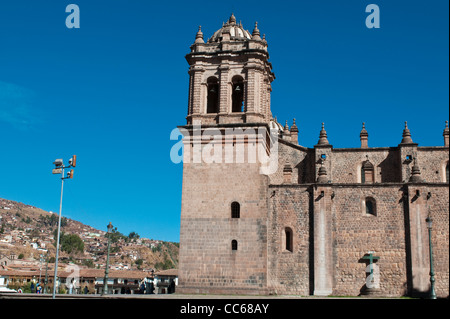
<point>207,262</point>
<point>439,212</point>
<point>346,165</point>
<point>301,162</point>
<point>432,162</point>
<point>355,233</point>
<point>289,270</point>
<point>390,234</point>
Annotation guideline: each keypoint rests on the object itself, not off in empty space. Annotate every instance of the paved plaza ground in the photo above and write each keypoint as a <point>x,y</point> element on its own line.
<point>177,296</point>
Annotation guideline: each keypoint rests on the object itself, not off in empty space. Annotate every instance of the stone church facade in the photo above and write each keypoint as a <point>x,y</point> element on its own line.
<point>312,224</point>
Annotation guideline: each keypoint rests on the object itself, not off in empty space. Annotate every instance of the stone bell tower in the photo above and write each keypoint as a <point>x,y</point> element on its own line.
<point>224,217</point>
<point>230,77</point>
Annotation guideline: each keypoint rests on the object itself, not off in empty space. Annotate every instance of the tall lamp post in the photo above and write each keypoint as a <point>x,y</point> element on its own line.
<point>432,280</point>
<point>105,280</point>
<point>59,169</point>
<point>46,274</point>
<point>41,259</point>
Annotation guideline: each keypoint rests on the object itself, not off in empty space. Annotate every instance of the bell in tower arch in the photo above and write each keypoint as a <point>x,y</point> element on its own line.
<point>238,94</point>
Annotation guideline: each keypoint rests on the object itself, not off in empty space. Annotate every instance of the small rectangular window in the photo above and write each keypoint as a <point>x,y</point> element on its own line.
<point>371,206</point>
<point>235,210</point>
<point>234,244</point>
<point>289,242</point>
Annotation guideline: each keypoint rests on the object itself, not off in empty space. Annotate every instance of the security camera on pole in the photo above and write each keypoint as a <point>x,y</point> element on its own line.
<point>59,169</point>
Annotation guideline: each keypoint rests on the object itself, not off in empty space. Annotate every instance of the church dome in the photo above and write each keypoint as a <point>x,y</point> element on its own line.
<point>274,125</point>
<point>236,31</point>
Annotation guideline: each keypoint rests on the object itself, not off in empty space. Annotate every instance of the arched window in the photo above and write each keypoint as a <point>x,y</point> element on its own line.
<point>371,206</point>
<point>213,95</point>
<point>237,94</point>
<point>234,244</point>
<point>367,172</point>
<point>288,239</point>
<point>235,210</point>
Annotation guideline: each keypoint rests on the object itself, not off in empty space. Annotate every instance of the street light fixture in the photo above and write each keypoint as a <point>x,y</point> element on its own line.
<point>429,221</point>
<point>105,280</point>
<point>59,169</point>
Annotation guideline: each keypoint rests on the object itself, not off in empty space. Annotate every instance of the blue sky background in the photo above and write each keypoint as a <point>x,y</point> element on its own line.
<point>112,91</point>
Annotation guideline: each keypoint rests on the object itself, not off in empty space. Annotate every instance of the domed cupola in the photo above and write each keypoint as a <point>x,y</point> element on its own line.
<point>235,31</point>
<point>277,127</point>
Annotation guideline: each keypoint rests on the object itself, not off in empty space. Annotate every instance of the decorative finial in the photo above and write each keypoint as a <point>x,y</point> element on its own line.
<point>322,174</point>
<point>364,136</point>
<point>232,19</point>
<point>323,140</point>
<point>255,33</point>
<point>199,36</point>
<point>415,173</point>
<point>363,131</point>
<point>294,127</point>
<point>406,135</point>
<point>446,134</point>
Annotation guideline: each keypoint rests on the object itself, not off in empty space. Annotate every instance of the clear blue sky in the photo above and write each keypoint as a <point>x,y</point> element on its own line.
<point>112,91</point>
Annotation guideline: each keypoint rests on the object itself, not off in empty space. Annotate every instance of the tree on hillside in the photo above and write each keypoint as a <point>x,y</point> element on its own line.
<point>28,220</point>
<point>139,263</point>
<point>167,264</point>
<point>52,220</point>
<point>70,243</point>
<point>133,235</point>
<point>115,236</point>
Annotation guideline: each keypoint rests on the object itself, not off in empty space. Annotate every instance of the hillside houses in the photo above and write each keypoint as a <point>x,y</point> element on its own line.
<point>28,232</point>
